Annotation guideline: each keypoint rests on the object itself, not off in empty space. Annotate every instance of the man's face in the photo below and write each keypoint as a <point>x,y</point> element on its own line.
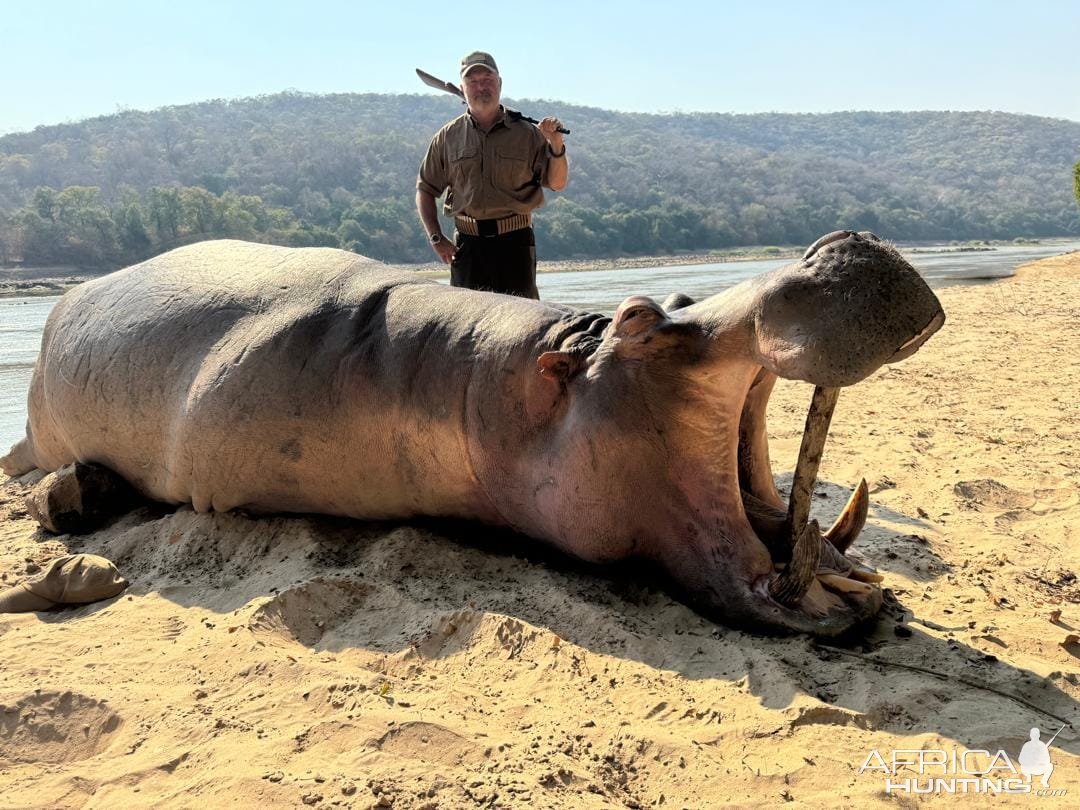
<point>482,89</point>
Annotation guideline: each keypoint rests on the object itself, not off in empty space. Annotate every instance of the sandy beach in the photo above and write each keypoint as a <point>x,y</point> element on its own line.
<point>290,662</point>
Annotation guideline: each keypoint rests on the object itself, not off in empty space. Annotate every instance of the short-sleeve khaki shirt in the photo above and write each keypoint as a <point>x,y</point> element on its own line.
<point>489,175</point>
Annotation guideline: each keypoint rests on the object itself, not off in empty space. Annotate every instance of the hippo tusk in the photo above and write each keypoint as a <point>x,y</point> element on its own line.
<point>806,469</point>
<point>792,583</point>
<point>803,534</point>
<point>851,520</point>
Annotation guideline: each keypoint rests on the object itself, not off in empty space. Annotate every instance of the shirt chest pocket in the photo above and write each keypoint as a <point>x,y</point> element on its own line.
<point>513,172</point>
<point>465,169</point>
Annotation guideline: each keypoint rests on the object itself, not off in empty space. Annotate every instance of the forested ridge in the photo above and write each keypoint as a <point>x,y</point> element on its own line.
<point>339,170</point>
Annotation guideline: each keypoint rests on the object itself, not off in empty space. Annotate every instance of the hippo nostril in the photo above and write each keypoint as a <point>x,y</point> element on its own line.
<point>827,239</point>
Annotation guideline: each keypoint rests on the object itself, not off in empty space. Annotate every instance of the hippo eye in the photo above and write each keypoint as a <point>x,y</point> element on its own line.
<point>635,316</point>
<point>638,312</point>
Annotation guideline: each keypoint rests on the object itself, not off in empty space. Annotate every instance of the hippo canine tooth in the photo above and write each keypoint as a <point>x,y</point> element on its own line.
<point>789,587</point>
<point>849,523</point>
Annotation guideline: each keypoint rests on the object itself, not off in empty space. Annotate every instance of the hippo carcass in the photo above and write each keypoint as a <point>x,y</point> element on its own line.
<point>235,375</point>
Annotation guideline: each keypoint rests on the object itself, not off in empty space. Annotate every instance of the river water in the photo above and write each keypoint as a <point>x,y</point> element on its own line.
<point>22,319</point>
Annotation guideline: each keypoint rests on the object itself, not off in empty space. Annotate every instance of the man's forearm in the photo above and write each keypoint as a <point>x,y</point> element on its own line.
<point>558,170</point>
<point>429,217</point>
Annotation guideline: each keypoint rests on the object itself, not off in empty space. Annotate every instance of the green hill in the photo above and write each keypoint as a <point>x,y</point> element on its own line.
<point>340,170</point>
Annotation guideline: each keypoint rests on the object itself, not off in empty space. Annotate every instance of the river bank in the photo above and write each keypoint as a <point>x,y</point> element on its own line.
<point>39,281</point>
<point>747,254</point>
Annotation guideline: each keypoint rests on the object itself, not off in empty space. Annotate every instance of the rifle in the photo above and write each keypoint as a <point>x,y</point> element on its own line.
<point>453,89</point>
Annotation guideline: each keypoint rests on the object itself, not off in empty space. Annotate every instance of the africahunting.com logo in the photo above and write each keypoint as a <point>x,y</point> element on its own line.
<point>937,771</point>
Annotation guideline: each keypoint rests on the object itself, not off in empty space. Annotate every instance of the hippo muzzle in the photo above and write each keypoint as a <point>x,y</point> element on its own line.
<point>851,305</point>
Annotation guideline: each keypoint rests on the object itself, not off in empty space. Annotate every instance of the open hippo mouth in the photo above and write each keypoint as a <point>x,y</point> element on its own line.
<point>812,571</point>
<point>851,305</point>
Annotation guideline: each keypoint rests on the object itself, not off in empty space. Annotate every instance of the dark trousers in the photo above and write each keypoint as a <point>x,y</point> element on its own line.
<point>502,264</point>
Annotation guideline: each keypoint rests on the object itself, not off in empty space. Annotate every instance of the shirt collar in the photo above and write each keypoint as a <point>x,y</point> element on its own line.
<point>501,120</point>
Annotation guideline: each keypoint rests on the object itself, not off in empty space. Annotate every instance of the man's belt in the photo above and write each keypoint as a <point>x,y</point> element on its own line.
<point>492,227</point>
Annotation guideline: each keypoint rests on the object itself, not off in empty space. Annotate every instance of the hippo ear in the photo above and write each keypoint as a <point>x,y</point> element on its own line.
<point>559,366</point>
<point>676,301</point>
<point>637,314</point>
<point>545,391</point>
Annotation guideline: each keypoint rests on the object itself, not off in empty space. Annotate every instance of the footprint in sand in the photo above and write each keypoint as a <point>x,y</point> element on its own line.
<point>305,612</point>
<point>1055,500</point>
<point>55,727</point>
<point>430,743</point>
<point>170,628</point>
<point>513,636</point>
<point>987,494</point>
<point>828,716</point>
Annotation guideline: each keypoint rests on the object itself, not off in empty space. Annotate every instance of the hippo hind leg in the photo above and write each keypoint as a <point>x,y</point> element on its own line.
<point>78,498</point>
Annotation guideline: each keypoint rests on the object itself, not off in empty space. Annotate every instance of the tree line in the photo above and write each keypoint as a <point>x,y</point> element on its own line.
<point>339,170</point>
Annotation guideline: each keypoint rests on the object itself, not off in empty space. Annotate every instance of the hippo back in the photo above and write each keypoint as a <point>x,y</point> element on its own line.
<point>229,374</point>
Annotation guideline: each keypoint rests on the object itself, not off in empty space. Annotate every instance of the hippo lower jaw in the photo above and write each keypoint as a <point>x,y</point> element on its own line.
<point>813,585</point>
<point>765,614</point>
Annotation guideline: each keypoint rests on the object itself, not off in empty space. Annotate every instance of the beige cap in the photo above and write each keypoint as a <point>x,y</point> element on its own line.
<point>478,59</point>
<point>76,579</point>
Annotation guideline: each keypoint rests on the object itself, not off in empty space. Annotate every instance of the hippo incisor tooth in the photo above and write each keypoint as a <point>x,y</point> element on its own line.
<point>843,584</point>
<point>851,520</point>
<point>864,574</point>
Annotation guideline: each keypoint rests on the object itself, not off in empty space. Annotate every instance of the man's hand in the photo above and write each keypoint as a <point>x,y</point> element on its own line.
<point>549,129</point>
<point>445,250</point>
<point>557,161</point>
<point>425,207</point>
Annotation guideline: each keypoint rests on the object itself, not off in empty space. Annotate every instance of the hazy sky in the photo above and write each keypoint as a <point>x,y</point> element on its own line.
<point>63,61</point>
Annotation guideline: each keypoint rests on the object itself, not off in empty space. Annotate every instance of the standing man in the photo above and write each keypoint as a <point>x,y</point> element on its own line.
<point>493,167</point>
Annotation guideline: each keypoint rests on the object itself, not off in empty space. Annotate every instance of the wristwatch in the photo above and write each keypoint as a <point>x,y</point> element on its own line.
<point>435,238</point>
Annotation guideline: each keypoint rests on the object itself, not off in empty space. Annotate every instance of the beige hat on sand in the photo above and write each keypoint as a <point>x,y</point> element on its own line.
<point>76,579</point>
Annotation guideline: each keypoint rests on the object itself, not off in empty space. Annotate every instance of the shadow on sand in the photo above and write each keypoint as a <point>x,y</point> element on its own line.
<point>425,591</point>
